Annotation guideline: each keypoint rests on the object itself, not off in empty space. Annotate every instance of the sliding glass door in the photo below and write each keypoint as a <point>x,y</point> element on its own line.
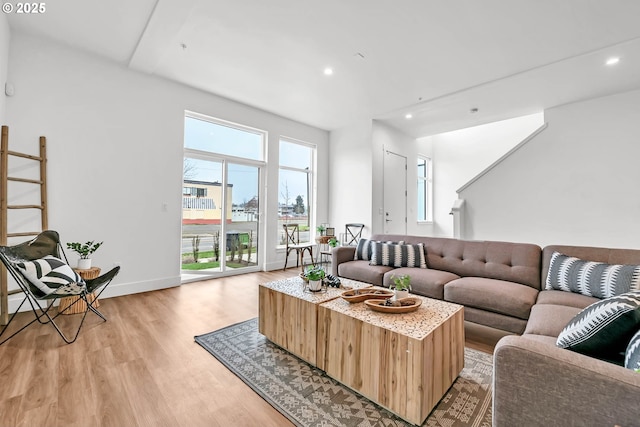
<point>220,201</point>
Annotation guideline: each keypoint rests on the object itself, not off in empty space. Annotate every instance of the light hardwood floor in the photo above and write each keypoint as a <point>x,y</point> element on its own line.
<point>142,367</point>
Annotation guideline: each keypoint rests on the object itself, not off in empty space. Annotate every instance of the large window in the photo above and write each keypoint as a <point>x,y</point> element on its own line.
<point>295,187</point>
<point>424,189</point>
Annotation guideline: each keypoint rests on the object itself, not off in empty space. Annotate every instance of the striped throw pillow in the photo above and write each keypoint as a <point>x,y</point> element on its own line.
<point>398,255</point>
<point>594,279</point>
<point>364,249</point>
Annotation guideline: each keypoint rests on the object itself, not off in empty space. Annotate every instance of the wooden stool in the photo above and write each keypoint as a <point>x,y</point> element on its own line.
<point>80,306</point>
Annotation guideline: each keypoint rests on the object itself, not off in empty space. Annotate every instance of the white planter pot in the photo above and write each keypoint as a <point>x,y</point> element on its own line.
<point>315,285</point>
<point>401,294</point>
<point>84,264</point>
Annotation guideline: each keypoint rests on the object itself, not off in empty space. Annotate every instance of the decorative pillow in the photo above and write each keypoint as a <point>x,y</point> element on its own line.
<point>398,255</point>
<point>363,250</point>
<point>604,328</point>
<point>52,275</point>
<point>594,279</point>
<point>632,355</point>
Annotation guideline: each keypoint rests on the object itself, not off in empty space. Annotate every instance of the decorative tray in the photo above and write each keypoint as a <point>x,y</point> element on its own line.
<point>359,295</point>
<point>406,305</point>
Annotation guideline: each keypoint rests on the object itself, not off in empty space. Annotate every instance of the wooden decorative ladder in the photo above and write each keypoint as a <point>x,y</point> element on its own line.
<point>4,208</point>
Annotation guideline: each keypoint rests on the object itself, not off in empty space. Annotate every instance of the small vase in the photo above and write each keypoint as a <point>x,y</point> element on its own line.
<point>315,285</point>
<point>401,294</point>
<point>84,263</point>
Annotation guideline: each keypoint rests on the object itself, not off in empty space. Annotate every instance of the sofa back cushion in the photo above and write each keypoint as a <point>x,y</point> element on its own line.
<point>514,262</point>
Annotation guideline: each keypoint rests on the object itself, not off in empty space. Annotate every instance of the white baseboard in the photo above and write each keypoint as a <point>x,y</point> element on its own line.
<point>113,290</point>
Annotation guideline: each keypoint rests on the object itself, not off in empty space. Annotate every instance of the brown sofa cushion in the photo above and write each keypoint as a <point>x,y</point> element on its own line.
<point>362,271</point>
<point>570,299</point>
<point>424,281</point>
<point>495,320</point>
<point>550,319</point>
<point>498,296</point>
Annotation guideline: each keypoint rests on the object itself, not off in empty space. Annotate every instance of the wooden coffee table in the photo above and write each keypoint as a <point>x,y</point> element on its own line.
<point>403,362</point>
<point>288,315</point>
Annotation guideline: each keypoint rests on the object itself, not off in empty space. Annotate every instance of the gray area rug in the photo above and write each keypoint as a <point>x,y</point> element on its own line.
<point>308,397</point>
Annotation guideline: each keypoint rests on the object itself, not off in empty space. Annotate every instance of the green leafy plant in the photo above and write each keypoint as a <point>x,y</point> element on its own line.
<point>84,250</point>
<point>333,242</point>
<point>314,272</point>
<point>401,283</point>
<point>320,229</point>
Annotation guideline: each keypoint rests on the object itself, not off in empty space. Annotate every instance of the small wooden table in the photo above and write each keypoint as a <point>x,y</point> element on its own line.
<point>80,306</point>
<point>288,314</point>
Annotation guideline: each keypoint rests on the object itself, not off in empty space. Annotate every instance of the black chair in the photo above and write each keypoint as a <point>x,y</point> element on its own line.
<point>26,261</point>
<point>352,234</point>
<point>292,236</point>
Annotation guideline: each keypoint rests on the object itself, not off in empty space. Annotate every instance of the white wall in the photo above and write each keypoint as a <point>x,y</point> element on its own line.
<point>388,138</point>
<point>351,168</point>
<point>5,36</point>
<point>115,147</point>
<point>575,183</point>
<point>460,155</point>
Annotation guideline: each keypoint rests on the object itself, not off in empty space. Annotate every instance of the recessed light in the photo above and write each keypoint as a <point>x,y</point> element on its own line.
<point>328,71</point>
<point>408,116</point>
<point>613,60</point>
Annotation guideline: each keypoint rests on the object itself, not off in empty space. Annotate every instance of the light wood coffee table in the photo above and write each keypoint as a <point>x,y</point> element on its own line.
<point>403,362</point>
<point>288,315</point>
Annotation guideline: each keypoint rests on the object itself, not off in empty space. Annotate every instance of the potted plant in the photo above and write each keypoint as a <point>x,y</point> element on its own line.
<point>84,250</point>
<point>320,229</point>
<point>315,274</point>
<point>401,285</point>
<point>333,242</point>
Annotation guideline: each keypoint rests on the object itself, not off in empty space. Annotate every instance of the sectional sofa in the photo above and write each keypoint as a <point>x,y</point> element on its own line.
<point>502,286</point>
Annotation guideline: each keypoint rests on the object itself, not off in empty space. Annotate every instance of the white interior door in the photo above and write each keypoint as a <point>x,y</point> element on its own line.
<point>395,193</point>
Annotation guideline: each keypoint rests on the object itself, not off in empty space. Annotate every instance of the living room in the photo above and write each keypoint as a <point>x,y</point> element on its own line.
<point>112,126</point>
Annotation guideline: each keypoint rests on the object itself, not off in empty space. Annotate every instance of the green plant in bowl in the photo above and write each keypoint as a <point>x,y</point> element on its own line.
<point>314,272</point>
<point>401,283</point>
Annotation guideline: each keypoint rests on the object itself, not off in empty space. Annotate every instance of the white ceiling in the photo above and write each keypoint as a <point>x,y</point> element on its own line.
<point>434,58</point>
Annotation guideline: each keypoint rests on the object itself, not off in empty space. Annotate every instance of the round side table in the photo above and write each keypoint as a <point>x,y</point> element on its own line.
<point>80,306</point>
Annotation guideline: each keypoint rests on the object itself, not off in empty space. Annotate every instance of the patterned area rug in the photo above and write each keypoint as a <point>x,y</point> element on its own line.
<point>308,397</point>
